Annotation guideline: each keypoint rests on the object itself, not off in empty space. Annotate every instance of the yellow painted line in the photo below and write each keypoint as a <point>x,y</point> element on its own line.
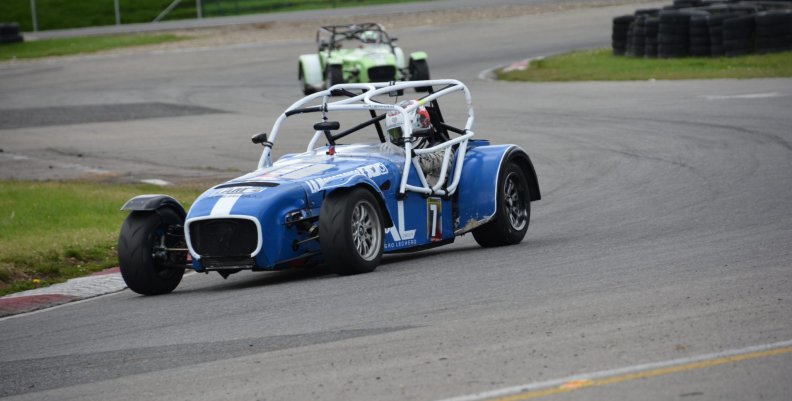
<point>626,373</point>
<point>581,384</point>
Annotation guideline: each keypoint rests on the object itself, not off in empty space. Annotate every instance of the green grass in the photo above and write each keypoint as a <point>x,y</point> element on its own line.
<point>53,231</point>
<point>92,44</point>
<point>602,65</point>
<point>62,14</point>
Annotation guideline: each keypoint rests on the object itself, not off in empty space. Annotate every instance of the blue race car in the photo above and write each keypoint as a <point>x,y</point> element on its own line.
<point>404,179</point>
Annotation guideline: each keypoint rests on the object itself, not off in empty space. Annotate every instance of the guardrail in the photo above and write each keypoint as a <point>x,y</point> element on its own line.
<point>49,15</point>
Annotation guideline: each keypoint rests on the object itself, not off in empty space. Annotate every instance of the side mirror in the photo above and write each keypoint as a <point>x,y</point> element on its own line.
<point>261,138</point>
<point>327,126</point>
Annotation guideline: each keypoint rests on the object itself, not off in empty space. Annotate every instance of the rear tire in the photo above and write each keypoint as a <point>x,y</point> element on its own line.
<point>351,232</point>
<point>142,271</point>
<point>513,210</point>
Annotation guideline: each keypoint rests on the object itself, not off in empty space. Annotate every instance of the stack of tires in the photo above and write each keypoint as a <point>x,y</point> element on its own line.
<point>637,35</point>
<point>651,24</point>
<point>773,31</point>
<point>673,33</point>
<point>680,4</point>
<point>715,23</point>
<point>703,28</point>
<point>699,35</point>
<point>9,33</point>
<point>621,28</point>
<point>738,35</point>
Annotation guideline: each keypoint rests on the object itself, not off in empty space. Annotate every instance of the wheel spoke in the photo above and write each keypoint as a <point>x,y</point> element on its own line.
<point>514,202</point>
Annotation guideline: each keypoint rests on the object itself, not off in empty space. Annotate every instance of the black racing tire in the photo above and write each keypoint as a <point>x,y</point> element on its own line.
<point>419,71</point>
<point>9,29</point>
<point>11,39</point>
<point>738,44</point>
<point>699,51</point>
<point>513,210</point>
<point>672,39</point>
<point>773,30</point>
<point>703,41</point>
<point>698,31</point>
<point>307,90</point>
<point>351,231</point>
<point>681,30</point>
<point>142,272</point>
<point>774,17</point>
<point>334,74</point>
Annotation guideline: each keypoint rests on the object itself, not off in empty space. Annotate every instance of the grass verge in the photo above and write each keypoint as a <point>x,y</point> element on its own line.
<point>53,231</point>
<point>89,44</point>
<point>602,65</point>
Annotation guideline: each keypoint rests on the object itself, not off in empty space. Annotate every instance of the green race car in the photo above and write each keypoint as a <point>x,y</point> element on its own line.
<point>358,53</point>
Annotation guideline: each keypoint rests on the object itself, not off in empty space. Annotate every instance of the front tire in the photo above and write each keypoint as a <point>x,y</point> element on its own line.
<point>143,265</point>
<point>419,71</point>
<point>351,231</point>
<point>307,89</point>
<point>513,210</point>
<point>335,75</point>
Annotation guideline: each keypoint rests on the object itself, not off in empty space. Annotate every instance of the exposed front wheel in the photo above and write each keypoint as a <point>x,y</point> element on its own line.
<point>335,75</point>
<point>419,71</point>
<point>351,231</point>
<point>513,210</point>
<point>148,263</point>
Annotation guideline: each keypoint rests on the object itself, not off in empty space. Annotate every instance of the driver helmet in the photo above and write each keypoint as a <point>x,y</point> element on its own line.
<point>417,117</point>
<point>369,37</point>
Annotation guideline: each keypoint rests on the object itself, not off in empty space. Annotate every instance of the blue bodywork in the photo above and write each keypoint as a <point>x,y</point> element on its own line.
<point>284,200</point>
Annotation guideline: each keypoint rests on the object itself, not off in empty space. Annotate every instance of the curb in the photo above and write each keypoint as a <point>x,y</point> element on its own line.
<point>489,73</point>
<point>104,282</point>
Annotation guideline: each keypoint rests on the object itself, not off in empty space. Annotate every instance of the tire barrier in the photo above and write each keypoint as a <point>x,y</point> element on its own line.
<point>773,31</point>
<point>621,27</point>
<point>651,24</point>
<point>701,28</point>
<point>9,33</point>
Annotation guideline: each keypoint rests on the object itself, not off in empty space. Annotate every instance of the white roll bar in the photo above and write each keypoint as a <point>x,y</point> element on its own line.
<point>364,102</point>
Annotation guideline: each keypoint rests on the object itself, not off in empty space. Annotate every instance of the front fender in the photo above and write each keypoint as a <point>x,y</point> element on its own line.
<point>311,70</point>
<point>369,184</point>
<point>152,202</point>
<point>401,62</point>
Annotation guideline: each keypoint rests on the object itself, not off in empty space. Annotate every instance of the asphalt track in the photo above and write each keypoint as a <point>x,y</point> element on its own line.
<point>657,264</point>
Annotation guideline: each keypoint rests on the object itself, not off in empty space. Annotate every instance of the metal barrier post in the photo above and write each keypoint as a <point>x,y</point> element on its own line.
<point>117,12</point>
<point>199,8</point>
<point>33,14</point>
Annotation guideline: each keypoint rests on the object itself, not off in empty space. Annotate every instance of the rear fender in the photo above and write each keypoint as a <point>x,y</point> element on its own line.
<point>152,202</point>
<point>311,68</point>
<point>479,181</point>
<point>416,56</point>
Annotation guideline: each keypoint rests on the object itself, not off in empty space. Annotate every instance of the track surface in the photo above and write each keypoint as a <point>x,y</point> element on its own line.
<point>664,233</point>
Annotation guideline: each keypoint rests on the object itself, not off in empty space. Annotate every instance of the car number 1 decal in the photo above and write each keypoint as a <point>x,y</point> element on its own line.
<point>434,219</point>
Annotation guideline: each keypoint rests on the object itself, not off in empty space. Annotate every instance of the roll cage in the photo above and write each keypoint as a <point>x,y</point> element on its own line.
<point>330,37</point>
<point>364,101</point>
